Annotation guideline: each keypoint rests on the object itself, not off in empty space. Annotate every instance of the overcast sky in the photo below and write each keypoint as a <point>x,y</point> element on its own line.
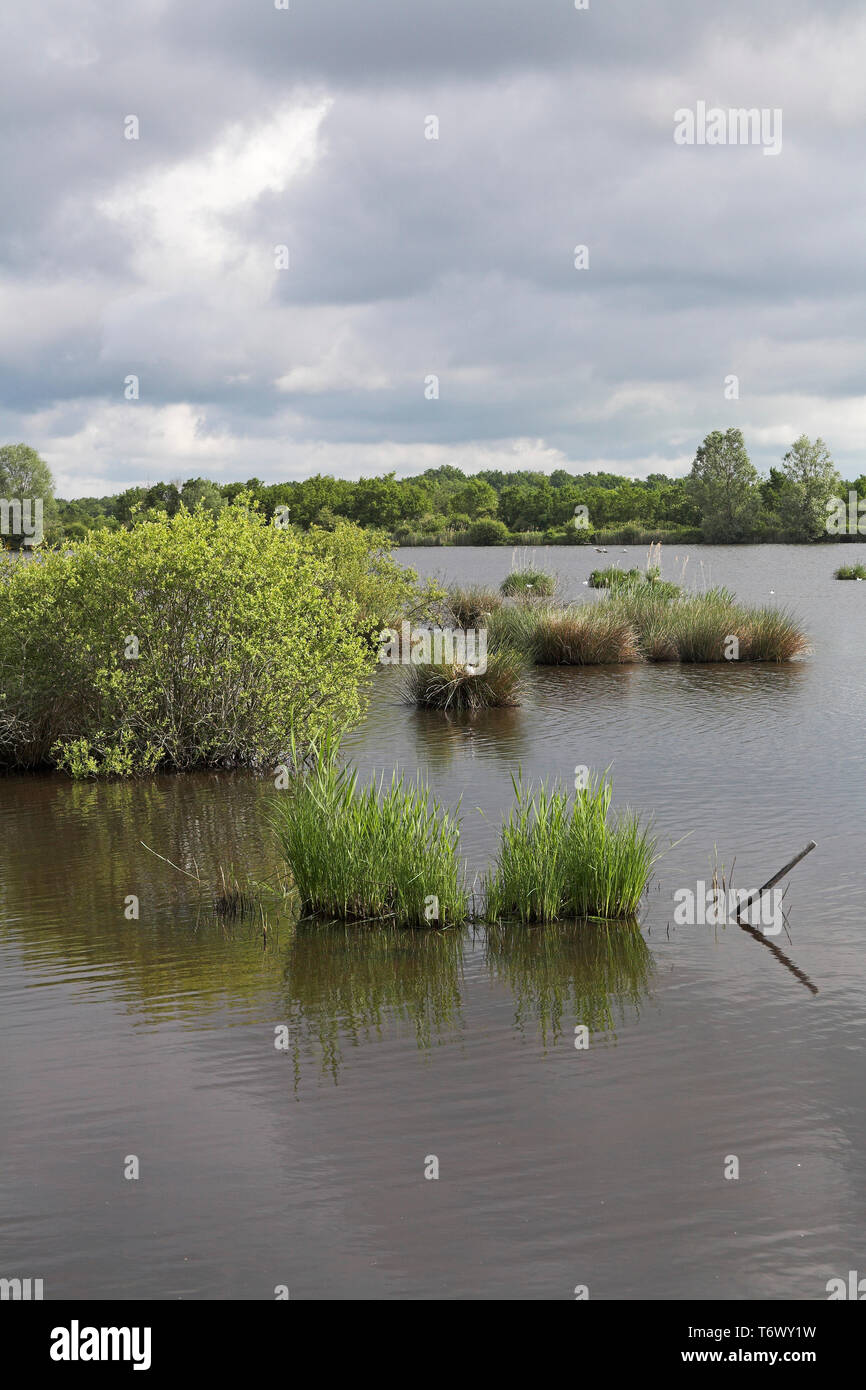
<point>410,256</point>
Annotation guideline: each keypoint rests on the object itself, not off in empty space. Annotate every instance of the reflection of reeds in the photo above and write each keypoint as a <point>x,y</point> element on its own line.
<point>579,973</point>
<point>233,897</point>
<point>345,986</point>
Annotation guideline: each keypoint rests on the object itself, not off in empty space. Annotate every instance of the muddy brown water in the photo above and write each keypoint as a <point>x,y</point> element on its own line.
<point>558,1166</point>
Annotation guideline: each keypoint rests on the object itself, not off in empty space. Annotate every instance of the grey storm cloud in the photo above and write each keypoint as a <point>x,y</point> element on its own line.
<point>411,256</point>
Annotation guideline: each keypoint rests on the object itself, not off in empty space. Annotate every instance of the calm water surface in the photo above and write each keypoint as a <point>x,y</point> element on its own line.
<point>558,1167</point>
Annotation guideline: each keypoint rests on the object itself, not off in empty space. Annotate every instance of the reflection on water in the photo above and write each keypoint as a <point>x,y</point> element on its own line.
<point>344,987</point>
<point>577,973</point>
<point>156,1036</point>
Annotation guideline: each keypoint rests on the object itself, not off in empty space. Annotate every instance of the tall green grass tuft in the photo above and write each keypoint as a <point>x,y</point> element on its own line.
<point>850,572</point>
<point>381,853</point>
<point>564,857</point>
<point>698,627</point>
<point>471,606</point>
<point>633,581</point>
<point>514,627</point>
<point>583,635</point>
<point>614,578</point>
<point>460,686</point>
<point>526,581</point>
<point>770,634</point>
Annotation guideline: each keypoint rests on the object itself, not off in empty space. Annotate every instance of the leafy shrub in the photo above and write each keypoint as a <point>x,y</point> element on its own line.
<point>243,630</point>
<point>850,572</point>
<point>488,531</point>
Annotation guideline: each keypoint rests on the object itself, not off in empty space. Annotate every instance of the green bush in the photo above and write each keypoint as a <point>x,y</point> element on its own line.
<point>488,531</point>
<point>850,572</point>
<point>244,631</point>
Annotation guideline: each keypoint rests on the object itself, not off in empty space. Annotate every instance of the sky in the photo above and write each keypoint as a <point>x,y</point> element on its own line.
<point>431,311</point>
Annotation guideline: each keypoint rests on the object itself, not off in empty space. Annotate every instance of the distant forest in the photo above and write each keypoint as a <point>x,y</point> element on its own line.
<point>721,500</point>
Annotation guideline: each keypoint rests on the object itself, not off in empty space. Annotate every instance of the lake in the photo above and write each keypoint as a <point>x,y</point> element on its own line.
<point>303,1164</point>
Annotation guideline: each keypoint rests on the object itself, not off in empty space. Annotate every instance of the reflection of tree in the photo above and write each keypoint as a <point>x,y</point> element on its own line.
<point>346,984</point>
<point>578,973</point>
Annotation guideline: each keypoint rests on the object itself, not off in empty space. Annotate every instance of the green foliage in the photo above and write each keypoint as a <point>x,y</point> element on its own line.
<point>244,631</point>
<point>488,531</point>
<point>850,572</point>
<point>722,500</point>
<point>381,853</point>
<point>564,857</point>
<point>199,492</point>
<point>811,480</point>
<point>723,484</point>
<point>24,476</point>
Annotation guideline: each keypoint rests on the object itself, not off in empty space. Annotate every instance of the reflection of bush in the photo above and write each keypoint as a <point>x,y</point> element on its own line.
<point>580,973</point>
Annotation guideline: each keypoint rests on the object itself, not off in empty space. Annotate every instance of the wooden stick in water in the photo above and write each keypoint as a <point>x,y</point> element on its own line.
<point>771,882</point>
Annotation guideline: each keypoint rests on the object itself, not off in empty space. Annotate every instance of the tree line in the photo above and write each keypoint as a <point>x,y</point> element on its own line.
<point>722,500</point>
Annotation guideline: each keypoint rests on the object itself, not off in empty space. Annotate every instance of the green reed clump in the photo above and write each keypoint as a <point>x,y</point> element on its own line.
<point>583,635</point>
<point>454,685</point>
<point>471,606</point>
<point>564,856</point>
<point>633,581</point>
<point>614,578</point>
<point>850,572</point>
<point>699,627</point>
<point>528,583</point>
<point>514,627</point>
<point>387,852</point>
<point>770,634</point>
